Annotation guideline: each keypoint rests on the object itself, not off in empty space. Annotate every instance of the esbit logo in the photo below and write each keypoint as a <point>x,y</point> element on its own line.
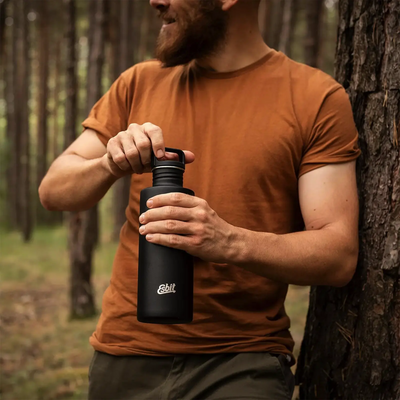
<point>165,288</point>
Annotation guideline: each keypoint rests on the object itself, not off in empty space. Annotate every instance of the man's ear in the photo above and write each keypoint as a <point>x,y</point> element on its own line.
<point>228,4</point>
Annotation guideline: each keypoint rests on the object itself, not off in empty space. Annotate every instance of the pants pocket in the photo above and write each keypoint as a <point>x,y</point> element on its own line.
<point>285,373</point>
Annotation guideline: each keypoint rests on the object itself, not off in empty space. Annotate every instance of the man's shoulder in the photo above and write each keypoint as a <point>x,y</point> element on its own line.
<point>310,81</point>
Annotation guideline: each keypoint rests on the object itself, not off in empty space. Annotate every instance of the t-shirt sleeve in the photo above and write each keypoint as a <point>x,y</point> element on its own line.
<point>109,115</point>
<point>333,137</point>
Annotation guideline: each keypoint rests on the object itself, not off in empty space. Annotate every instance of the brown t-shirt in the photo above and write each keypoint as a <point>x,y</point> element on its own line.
<point>254,132</point>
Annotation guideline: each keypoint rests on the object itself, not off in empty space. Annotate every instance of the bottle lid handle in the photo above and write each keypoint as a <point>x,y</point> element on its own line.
<point>157,163</point>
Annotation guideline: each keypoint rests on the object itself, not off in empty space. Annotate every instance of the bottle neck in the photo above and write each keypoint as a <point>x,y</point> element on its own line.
<point>168,176</point>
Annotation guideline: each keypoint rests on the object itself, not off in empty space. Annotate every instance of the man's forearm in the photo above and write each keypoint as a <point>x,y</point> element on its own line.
<point>318,257</point>
<point>75,184</point>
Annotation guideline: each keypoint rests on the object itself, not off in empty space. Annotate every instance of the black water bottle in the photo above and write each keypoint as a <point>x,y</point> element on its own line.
<point>165,276</point>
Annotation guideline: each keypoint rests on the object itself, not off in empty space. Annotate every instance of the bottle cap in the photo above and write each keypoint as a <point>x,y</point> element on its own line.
<point>156,164</point>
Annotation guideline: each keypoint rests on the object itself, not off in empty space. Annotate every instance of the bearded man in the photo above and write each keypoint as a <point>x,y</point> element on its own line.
<point>276,203</point>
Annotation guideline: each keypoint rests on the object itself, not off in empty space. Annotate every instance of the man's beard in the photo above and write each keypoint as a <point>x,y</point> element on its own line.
<point>194,36</point>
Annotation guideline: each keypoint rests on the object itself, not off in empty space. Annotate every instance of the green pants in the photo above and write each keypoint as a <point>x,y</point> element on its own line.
<point>191,377</point>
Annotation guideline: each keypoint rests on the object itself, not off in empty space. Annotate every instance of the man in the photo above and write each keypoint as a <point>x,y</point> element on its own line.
<point>276,203</point>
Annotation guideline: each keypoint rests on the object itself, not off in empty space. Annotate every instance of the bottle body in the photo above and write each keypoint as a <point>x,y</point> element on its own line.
<point>165,276</point>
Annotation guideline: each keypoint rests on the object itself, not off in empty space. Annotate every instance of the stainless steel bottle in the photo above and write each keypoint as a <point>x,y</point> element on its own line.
<point>165,281</point>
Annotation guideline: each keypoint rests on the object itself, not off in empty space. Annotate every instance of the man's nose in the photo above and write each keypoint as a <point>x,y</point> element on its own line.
<point>160,4</point>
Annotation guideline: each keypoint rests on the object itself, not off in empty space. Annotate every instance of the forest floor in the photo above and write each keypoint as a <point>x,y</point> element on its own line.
<point>43,354</point>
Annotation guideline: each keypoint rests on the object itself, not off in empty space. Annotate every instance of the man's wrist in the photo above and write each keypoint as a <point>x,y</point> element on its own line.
<point>248,245</point>
<point>104,165</point>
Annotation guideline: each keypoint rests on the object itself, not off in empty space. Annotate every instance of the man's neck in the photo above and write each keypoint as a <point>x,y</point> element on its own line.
<point>243,46</point>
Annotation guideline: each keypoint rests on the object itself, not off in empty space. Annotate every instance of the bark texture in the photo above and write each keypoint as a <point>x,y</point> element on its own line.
<point>351,348</point>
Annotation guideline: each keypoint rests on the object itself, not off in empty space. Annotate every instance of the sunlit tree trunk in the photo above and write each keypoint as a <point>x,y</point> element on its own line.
<point>351,345</point>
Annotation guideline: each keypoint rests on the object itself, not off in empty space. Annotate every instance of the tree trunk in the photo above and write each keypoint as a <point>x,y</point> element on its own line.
<point>351,346</point>
<point>22,117</point>
<point>144,32</point>
<point>56,102</point>
<point>126,60</point>
<point>312,43</point>
<point>84,225</point>
<point>42,139</point>
<point>275,23</point>
<point>290,12</point>
<point>264,17</point>
<point>12,138</point>
<point>71,80</point>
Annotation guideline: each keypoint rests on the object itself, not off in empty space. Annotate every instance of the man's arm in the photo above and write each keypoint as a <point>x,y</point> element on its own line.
<point>324,254</point>
<point>78,178</point>
<point>82,175</point>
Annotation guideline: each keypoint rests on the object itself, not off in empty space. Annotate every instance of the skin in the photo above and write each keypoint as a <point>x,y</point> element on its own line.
<point>325,253</point>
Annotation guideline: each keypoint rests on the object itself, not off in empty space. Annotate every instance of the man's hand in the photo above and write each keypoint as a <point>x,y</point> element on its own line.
<point>129,152</point>
<point>187,223</point>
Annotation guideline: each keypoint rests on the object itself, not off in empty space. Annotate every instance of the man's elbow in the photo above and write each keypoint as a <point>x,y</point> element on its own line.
<point>344,274</point>
<point>45,198</point>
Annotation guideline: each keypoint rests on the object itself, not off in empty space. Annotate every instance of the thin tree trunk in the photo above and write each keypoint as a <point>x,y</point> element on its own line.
<point>22,116</point>
<point>288,26</point>
<point>312,43</point>
<point>126,59</point>
<point>56,101</point>
<point>42,134</point>
<point>264,18</point>
<point>84,225</point>
<point>275,23</point>
<point>12,140</point>
<point>144,32</point>
<point>71,80</point>
<point>3,14</point>
<point>351,346</point>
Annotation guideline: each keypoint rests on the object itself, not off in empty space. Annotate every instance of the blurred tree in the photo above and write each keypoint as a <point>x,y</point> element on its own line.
<point>12,172</point>
<point>42,134</point>
<point>290,14</point>
<point>125,60</point>
<point>312,43</point>
<point>352,341</point>
<point>21,138</point>
<point>71,80</point>
<point>144,32</point>
<point>84,225</point>
<point>3,14</point>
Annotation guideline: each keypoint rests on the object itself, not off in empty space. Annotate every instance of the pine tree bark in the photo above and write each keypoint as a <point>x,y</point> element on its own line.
<point>126,60</point>
<point>351,345</point>
<point>84,225</point>
<point>21,114</point>
<point>42,134</point>
<point>312,42</point>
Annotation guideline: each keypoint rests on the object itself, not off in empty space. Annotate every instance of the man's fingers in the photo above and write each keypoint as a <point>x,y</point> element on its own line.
<point>156,137</point>
<point>117,155</point>
<point>189,157</point>
<point>174,199</point>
